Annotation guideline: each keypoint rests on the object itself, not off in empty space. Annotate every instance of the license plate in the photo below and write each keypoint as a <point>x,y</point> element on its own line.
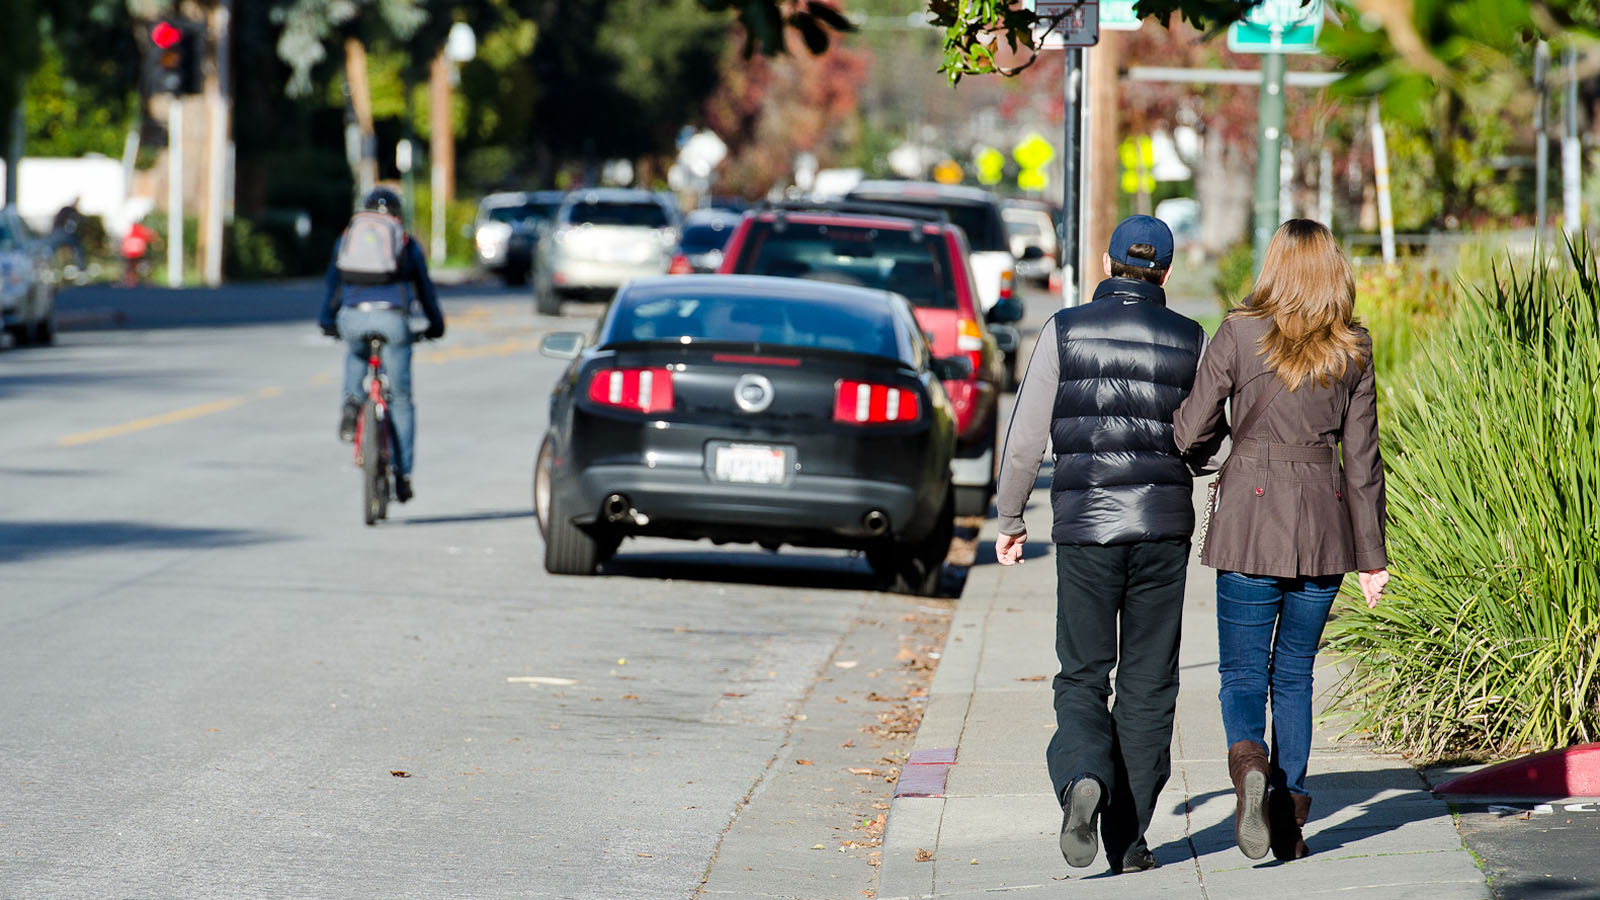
<point>751,464</point>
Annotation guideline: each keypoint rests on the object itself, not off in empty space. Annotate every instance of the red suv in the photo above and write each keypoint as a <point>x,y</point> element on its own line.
<point>918,254</point>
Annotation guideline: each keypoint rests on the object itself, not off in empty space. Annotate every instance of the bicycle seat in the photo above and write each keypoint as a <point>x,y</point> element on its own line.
<point>374,337</point>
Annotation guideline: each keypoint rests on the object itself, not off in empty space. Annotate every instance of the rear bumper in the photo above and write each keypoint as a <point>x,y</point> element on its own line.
<point>811,509</point>
<point>973,471</point>
<point>570,274</point>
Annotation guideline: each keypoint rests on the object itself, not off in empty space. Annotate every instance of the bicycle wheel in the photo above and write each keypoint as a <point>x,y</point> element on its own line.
<point>374,479</point>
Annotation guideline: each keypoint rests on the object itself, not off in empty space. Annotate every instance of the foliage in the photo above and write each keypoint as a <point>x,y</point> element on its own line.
<point>68,117</point>
<point>1236,275</point>
<point>1402,305</point>
<point>249,253</point>
<point>1488,640</point>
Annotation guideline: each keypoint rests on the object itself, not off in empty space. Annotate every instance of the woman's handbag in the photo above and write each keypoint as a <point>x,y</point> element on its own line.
<point>1249,419</point>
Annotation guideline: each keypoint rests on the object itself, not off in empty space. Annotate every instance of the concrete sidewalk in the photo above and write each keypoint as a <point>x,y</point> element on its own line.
<point>990,824</point>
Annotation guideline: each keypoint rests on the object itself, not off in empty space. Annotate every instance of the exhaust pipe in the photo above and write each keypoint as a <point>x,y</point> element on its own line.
<point>616,508</point>
<point>876,522</point>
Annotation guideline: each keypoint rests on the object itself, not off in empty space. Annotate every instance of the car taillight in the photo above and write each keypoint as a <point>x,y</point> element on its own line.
<point>641,390</point>
<point>680,265</point>
<point>1008,280</point>
<point>865,403</point>
<point>969,342</point>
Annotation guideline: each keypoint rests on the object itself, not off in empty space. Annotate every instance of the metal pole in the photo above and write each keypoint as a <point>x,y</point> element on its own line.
<point>1571,152</point>
<point>1269,141</point>
<point>1325,187</point>
<point>1380,170</point>
<point>1071,156</point>
<point>175,192</point>
<point>220,101</point>
<point>1541,146</point>
<point>14,150</point>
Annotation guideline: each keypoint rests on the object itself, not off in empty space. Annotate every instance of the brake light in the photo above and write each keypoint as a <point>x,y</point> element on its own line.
<point>641,390</point>
<point>969,342</point>
<point>864,403</point>
<point>680,265</point>
<point>1008,280</point>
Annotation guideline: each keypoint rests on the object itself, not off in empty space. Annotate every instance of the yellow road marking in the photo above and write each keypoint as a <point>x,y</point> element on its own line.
<point>168,418</point>
<point>267,393</point>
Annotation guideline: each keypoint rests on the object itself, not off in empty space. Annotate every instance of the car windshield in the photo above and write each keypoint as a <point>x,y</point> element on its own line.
<point>1026,229</point>
<point>537,212</point>
<point>704,238</point>
<point>638,215</point>
<point>976,219</point>
<point>769,321</point>
<point>886,259</point>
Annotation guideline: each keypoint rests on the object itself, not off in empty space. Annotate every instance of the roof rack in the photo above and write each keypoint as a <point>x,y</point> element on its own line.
<point>860,207</point>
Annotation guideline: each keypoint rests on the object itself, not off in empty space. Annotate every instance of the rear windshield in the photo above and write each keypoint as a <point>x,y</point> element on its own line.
<point>979,221</point>
<point>1027,229</point>
<point>823,324</point>
<point>538,212</point>
<point>704,238</point>
<point>884,259</point>
<point>640,215</point>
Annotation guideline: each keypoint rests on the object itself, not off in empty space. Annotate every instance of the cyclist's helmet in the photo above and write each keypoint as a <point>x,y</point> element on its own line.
<point>382,200</point>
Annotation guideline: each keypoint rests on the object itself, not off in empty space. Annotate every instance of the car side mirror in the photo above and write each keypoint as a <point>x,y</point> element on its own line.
<point>561,344</point>
<point>1032,251</point>
<point>1004,312</point>
<point>952,368</point>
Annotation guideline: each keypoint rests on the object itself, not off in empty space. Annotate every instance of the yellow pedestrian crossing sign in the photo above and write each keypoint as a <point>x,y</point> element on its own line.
<point>1138,156</point>
<point>991,165</point>
<point>947,172</point>
<point>1032,155</point>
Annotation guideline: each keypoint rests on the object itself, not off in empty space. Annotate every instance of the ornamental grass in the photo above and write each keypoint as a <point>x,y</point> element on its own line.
<point>1487,642</point>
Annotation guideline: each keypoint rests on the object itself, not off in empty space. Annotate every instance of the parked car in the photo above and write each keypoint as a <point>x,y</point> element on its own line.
<point>600,238</point>
<point>976,212</point>
<point>27,283</point>
<point>1031,229</point>
<point>919,254</point>
<point>744,409</point>
<point>507,228</point>
<point>705,234</point>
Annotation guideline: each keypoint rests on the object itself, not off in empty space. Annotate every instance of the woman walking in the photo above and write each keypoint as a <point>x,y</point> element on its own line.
<point>1288,520</point>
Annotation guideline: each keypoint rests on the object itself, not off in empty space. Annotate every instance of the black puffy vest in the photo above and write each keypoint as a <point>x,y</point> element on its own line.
<point>1126,363</point>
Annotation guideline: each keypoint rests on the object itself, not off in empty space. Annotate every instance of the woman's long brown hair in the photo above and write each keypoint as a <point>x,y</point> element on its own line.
<point>1305,288</point>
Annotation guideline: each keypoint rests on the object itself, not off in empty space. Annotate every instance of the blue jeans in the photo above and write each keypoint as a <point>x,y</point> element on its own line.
<point>396,360</point>
<point>1267,635</point>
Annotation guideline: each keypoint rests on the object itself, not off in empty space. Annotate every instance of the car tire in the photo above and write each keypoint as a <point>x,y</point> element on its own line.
<point>916,568</point>
<point>21,334</point>
<point>513,278</point>
<point>44,333</point>
<point>568,549</point>
<point>546,300</point>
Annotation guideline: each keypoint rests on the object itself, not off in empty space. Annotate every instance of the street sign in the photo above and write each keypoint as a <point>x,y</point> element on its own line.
<point>947,172</point>
<point>1077,23</point>
<point>991,165</point>
<point>1278,26</point>
<point>1117,15</point>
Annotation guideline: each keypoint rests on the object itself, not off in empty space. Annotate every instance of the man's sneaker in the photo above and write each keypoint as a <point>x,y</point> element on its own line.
<point>1080,834</point>
<point>1136,860</point>
<point>347,421</point>
<point>402,488</point>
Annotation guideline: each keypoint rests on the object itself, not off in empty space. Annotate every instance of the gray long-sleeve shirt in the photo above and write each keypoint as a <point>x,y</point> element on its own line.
<point>1028,435</point>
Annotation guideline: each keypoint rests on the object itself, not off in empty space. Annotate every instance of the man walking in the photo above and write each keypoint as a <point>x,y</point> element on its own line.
<point>1102,386</point>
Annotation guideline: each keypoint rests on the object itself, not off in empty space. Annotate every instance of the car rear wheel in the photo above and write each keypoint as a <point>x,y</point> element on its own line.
<point>568,549</point>
<point>44,333</point>
<point>21,335</point>
<point>546,300</point>
<point>915,568</point>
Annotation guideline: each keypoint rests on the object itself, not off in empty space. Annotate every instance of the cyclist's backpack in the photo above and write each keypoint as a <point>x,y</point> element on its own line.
<point>369,250</point>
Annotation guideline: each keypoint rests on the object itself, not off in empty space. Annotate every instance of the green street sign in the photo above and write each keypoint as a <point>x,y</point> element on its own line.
<point>1117,15</point>
<point>1278,26</point>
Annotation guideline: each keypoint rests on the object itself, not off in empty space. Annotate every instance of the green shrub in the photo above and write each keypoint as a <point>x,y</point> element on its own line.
<point>1236,275</point>
<point>250,253</point>
<point>1488,641</point>
<point>1402,305</point>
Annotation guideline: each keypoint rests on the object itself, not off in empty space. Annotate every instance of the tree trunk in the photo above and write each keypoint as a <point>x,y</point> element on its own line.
<point>355,73</point>
<point>1100,163</point>
<point>1223,185</point>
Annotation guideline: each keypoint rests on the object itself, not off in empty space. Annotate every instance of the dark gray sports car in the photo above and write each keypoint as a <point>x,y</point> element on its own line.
<point>750,409</point>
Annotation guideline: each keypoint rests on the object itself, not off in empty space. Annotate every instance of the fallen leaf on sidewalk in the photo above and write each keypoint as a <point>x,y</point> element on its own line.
<point>630,696</point>
<point>399,773</point>
<point>854,770</point>
<point>732,694</point>
<point>803,762</point>
<point>1032,677</point>
<point>846,663</point>
<point>819,847</point>
<point>923,855</point>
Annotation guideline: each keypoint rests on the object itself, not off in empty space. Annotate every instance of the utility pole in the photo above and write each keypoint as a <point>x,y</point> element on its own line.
<point>14,148</point>
<point>1269,113</point>
<point>175,191</point>
<point>1541,147</point>
<point>1380,171</point>
<point>219,119</point>
<point>1071,154</point>
<point>1571,152</point>
<point>1098,178</point>
<point>441,151</point>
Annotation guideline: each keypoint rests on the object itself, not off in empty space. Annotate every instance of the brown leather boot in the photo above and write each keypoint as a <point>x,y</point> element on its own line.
<point>1289,812</point>
<point>1247,766</point>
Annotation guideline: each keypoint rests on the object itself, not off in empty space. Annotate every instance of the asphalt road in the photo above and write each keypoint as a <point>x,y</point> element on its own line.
<point>219,683</point>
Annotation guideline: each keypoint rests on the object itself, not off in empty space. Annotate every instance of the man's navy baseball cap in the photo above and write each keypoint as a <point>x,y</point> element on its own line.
<point>1142,230</point>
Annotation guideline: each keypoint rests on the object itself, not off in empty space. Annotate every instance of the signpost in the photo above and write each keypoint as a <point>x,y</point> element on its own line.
<point>1273,28</point>
<point>1078,28</point>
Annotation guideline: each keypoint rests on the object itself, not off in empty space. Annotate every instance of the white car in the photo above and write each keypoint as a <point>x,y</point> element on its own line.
<point>27,284</point>
<point>1030,225</point>
<point>599,240</point>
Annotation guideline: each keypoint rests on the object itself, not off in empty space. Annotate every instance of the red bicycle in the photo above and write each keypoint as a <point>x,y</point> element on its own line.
<point>375,437</point>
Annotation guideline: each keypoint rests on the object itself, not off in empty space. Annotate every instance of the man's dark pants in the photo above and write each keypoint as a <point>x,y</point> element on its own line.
<point>1128,747</point>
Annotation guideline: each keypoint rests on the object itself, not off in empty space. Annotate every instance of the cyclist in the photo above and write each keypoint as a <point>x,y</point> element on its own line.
<point>378,272</point>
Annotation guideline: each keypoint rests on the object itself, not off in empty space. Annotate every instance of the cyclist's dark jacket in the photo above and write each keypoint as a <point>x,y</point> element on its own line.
<point>1103,384</point>
<point>413,286</point>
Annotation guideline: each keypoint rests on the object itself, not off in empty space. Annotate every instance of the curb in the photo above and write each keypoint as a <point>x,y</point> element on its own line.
<point>1569,772</point>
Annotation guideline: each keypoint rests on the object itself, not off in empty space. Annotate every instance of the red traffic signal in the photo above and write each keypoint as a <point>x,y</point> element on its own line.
<point>165,35</point>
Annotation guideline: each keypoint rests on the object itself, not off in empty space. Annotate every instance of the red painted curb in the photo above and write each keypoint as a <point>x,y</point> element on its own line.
<point>925,772</point>
<point>1570,772</point>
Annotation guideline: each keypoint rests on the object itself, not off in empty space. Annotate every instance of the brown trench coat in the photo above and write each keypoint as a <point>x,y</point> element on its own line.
<point>1284,507</point>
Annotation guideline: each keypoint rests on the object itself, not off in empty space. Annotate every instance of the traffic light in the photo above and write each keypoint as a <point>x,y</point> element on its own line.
<point>174,57</point>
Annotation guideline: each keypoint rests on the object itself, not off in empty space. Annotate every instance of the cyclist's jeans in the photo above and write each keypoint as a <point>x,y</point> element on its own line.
<point>1267,635</point>
<point>394,326</point>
